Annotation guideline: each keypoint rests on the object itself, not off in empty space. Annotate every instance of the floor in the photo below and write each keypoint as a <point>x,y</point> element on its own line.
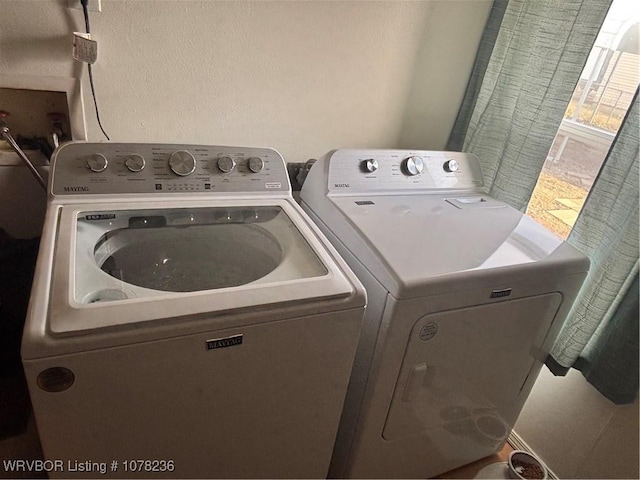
<point>15,417</point>
<point>26,446</point>
<point>471,470</point>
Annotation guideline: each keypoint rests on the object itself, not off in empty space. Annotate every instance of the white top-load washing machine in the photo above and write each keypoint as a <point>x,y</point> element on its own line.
<point>187,319</point>
<point>465,297</point>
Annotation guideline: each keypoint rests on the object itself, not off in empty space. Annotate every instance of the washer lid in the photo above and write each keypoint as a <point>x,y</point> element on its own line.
<point>130,264</point>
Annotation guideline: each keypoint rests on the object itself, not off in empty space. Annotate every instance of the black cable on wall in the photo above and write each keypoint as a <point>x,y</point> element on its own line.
<point>85,10</point>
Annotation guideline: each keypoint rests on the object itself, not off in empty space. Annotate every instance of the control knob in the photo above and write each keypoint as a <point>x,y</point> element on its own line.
<point>182,163</point>
<point>369,166</point>
<point>412,165</point>
<point>256,164</point>
<point>135,163</point>
<point>226,164</point>
<point>451,166</point>
<point>97,163</point>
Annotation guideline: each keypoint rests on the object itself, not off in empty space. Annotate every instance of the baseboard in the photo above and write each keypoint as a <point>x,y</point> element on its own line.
<point>518,443</point>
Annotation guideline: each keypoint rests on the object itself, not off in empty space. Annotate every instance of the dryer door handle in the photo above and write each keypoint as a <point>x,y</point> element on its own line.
<point>420,378</point>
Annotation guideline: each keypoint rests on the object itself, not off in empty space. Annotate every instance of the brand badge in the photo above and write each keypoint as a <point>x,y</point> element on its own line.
<point>224,342</point>
<point>100,216</point>
<point>501,293</point>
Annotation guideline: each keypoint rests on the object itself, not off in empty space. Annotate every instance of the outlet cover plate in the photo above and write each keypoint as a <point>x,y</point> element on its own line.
<point>94,5</point>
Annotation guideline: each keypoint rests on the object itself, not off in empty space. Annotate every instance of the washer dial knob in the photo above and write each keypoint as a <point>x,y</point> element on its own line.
<point>369,166</point>
<point>226,164</point>
<point>451,166</point>
<point>256,164</point>
<point>97,163</point>
<point>413,166</point>
<point>135,163</point>
<point>182,163</point>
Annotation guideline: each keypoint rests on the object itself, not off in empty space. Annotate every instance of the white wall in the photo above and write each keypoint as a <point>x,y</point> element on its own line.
<point>577,432</point>
<point>302,77</point>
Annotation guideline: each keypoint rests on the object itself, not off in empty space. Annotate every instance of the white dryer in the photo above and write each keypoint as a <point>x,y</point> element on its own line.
<point>187,319</point>
<point>465,297</point>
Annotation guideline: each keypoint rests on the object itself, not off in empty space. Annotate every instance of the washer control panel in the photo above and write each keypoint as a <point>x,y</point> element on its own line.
<point>80,168</point>
<point>366,171</point>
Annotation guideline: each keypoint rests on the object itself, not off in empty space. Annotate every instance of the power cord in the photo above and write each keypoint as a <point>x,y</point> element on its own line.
<point>85,10</point>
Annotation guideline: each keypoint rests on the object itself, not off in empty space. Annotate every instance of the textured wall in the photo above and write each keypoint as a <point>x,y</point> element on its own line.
<point>302,77</point>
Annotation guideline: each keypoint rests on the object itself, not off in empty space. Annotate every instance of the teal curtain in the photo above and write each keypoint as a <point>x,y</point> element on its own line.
<point>528,63</point>
<point>600,335</point>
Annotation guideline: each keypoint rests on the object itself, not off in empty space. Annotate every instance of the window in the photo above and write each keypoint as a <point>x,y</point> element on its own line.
<point>595,112</point>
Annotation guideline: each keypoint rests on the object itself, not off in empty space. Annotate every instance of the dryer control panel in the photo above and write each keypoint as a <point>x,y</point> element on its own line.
<point>80,168</point>
<point>370,171</point>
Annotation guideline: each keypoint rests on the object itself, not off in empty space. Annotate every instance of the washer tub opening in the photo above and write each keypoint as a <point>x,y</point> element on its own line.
<point>192,258</point>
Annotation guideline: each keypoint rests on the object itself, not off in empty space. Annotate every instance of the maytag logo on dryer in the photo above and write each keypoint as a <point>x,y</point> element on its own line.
<point>341,185</point>
<point>505,292</point>
<point>225,342</point>
<point>76,189</point>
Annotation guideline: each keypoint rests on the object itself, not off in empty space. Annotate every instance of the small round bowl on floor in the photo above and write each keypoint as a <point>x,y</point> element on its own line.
<point>524,466</point>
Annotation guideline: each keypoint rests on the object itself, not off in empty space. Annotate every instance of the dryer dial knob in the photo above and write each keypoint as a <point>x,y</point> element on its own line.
<point>451,166</point>
<point>135,163</point>
<point>97,163</point>
<point>182,163</point>
<point>412,166</point>
<point>256,164</point>
<point>369,166</point>
<point>226,164</point>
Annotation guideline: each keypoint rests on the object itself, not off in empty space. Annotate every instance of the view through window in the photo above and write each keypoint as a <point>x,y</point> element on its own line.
<point>594,115</point>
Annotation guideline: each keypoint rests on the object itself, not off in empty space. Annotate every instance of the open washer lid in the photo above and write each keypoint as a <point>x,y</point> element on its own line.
<point>134,263</point>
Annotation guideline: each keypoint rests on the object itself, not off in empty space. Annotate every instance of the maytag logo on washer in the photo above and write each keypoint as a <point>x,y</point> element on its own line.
<point>76,189</point>
<point>224,342</point>
<point>341,185</point>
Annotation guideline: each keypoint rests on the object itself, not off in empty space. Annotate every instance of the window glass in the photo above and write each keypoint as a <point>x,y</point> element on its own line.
<point>593,117</point>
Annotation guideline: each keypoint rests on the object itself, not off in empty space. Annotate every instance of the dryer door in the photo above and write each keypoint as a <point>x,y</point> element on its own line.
<point>465,370</point>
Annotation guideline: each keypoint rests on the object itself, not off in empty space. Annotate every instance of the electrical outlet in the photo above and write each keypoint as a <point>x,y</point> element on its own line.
<point>94,5</point>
